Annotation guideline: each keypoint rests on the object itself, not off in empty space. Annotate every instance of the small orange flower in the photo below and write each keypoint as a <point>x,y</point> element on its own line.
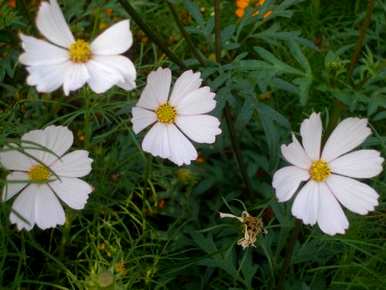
<point>241,6</point>
<point>240,12</point>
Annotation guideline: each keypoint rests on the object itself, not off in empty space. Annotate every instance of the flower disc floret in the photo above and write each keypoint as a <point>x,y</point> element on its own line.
<point>166,114</point>
<point>80,51</point>
<point>38,173</point>
<point>319,170</point>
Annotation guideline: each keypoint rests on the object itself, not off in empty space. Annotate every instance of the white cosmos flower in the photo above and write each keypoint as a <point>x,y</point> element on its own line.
<point>177,117</point>
<point>65,61</point>
<point>329,174</point>
<point>40,187</point>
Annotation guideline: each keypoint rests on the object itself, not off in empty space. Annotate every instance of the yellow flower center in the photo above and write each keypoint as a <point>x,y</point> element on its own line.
<point>80,51</point>
<point>39,173</point>
<point>319,170</point>
<point>166,113</point>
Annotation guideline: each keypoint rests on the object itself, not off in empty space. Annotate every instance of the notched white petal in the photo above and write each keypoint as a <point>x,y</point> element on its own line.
<point>287,180</point>
<point>156,91</point>
<point>306,204</point>
<point>75,77</point>
<point>311,132</point>
<point>41,52</point>
<point>142,118</point>
<point>352,194</point>
<point>51,23</point>
<point>182,150</point>
<point>114,40</point>
<point>199,101</point>
<point>199,128</point>
<point>331,218</point>
<point>16,181</point>
<point>48,211</point>
<point>358,164</point>
<point>157,141</point>
<point>74,164</point>
<point>102,76</point>
<point>295,154</point>
<point>348,135</point>
<point>73,191</point>
<point>185,84</point>
<point>23,208</point>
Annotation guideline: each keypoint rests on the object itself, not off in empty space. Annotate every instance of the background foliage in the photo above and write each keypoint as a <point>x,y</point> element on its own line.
<point>151,225</point>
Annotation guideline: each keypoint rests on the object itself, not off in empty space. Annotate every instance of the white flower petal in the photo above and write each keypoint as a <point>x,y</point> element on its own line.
<point>75,77</point>
<point>311,131</point>
<point>228,215</point>
<point>331,218</point>
<point>15,160</point>
<point>156,91</point>
<point>354,195</point>
<point>73,191</point>
<point>47,78</point>
<point>102,77</point>
<point>16,181</point>
<point>48,211</point>
<point>142,118</point>
<point>199,101</point>
<point>51,23</point>
<point>287,180</point>
<point>114,40</point>
<point>358,164</point>
<point>182,150</point>
<point>199,128</point>
<point>23,208</point>
<point>57,139</point>
<point>41,52</point>
<point>124,66</point>
<point>306,204</point>
<point>156,141</point>
<point>185,84</point>
<point>349,133</point>
<point>295,154</point>
<point>73,164</point>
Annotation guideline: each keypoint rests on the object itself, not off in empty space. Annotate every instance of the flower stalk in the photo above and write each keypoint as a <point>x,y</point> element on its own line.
<point>195,51</point>
<point>361,38</point>
<point>150,33</point>
<point>288,254</point>
<point>227,110</point>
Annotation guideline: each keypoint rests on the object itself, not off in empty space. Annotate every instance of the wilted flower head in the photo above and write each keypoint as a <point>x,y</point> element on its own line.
<point>329,174</point>
<point>253,227</point>
<point>69,62</point>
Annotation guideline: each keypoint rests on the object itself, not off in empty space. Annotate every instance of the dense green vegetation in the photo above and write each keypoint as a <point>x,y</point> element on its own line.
<point>150,224</point>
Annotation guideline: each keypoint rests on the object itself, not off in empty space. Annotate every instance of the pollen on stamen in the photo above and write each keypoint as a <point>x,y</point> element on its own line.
<point>319,170</point>
<point>38,173</point>
<point>80,51</point>
<point>166,114</point>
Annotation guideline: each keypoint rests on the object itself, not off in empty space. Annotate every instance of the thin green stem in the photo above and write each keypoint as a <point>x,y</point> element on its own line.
<point>195,51</point>
<point>227,111</point>
<point>150,33</point>
<point>288,254</point>
<point>65,234</point>
<point>361,38</point>
<point>148,168</point>
<point>217,20</point>
<point>87,116</point>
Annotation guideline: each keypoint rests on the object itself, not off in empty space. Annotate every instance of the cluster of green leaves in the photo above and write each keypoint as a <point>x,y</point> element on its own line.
<point>150,225</point>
